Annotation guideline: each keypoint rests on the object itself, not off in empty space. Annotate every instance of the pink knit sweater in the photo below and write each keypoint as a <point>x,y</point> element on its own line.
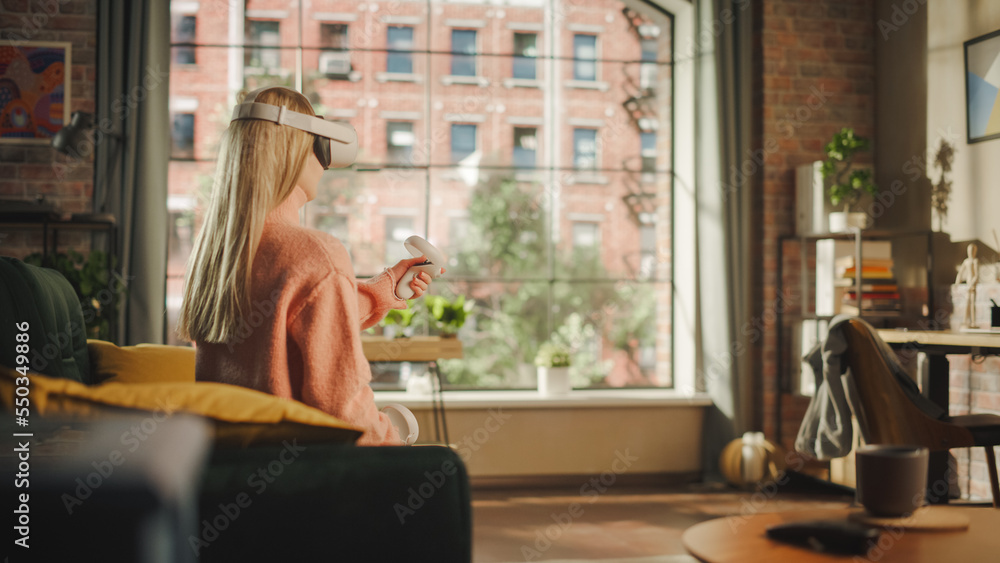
<point>302,338</point>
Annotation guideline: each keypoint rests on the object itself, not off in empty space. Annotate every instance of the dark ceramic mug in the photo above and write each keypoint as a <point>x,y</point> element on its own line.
<point>892,480</point>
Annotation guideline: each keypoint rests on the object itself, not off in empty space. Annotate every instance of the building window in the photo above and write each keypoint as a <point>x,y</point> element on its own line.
<point>184,33</point>
<point>584,57</point>
<point>648,66</point>
<point>399,142</point>
<point>335,60</point>
<point>647,140</point>
<point>397,230</point>
<point>263,38</point>
<point>647,251</point>
<point>586,235</point>
<point>463,141</point>
<point>399,59</point>
<point>525,146</point>
<point>490,179</point>
<point>525,53</point>
<point>585,149</point>
<point>463,52</point>
<point>182,136</point>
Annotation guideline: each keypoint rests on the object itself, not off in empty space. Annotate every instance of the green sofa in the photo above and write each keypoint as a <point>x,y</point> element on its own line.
<point>279,499</point>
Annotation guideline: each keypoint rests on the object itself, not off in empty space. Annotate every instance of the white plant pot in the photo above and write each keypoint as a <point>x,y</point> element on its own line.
<point>841,222</point>
<point>553,381</point>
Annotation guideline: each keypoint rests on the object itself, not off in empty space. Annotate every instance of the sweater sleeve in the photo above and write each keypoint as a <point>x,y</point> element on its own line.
<point>335,374</point>
<point>376,296</point>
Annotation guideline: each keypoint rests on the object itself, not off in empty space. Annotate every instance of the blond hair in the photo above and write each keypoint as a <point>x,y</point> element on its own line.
<point>259,163</point>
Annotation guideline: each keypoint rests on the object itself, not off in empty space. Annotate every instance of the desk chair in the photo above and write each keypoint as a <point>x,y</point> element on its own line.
<point>888,416</point>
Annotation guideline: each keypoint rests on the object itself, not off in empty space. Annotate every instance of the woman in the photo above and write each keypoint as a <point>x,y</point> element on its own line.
<point>272,305</point>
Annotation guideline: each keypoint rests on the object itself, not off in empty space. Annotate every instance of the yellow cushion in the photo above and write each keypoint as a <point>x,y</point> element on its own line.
<point>142,363</point>
<point>240,416</point>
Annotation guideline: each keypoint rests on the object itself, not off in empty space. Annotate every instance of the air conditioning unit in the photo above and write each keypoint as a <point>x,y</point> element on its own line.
<point>334,62</point>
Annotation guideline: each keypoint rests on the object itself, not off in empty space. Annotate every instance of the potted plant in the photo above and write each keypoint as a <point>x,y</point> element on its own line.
<point>398,322</point>
<point>847,185</point>
<point>448,316</point>
<point>91,278</point>
<point>553,361</point>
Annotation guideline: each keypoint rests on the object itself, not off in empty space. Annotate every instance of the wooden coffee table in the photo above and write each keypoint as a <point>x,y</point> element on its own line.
<point>743,539</point>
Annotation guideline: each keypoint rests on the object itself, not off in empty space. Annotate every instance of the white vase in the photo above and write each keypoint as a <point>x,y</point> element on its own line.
<point>841,222</point>
<point>553,381</point>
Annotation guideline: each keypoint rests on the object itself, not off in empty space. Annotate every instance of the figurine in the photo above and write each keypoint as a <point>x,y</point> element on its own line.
<point>969,273</point>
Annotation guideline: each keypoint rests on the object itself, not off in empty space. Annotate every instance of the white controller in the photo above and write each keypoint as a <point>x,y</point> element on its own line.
<point>417,246</point>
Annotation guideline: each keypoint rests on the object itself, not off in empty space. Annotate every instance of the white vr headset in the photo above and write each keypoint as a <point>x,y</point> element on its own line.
<point>335,144</point>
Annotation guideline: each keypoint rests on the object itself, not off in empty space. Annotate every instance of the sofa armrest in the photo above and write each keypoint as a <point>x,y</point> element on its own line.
<point>335,502</point>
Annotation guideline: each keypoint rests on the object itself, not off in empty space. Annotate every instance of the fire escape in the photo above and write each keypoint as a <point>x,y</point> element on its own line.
<point>640,105</point>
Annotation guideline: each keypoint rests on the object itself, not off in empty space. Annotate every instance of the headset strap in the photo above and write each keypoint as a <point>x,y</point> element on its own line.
<point>281,115</point>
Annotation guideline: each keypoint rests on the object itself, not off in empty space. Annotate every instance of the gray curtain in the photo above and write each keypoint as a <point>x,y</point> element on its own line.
<point>723,71</point>
<point>133,63</point>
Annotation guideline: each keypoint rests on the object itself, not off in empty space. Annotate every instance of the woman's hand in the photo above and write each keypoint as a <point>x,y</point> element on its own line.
<point>420,281</point>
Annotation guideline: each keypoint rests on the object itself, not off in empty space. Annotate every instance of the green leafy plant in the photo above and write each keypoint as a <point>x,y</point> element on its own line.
<point>100,296</point>
<point>448,316</point>
<point>401,317</point>
<point>553,355</point>
<point>847,185</point>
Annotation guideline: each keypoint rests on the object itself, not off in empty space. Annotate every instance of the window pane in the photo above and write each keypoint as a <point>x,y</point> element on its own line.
<point>585,57</point>
<point>182,136</point>
<point>648,151</point>
<point>463,141</point>
<point>263,37</point>
<point>584,149</point>
<point>524,55</point>
<point>184,31</point>
<point>399,41</point>
<point>399,142</point>
<point>525,146</point>
<point>463,49</point>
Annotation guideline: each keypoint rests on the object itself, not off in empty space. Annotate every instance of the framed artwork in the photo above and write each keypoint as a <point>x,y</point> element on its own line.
<point>982,87</point>
<point>34,91</point>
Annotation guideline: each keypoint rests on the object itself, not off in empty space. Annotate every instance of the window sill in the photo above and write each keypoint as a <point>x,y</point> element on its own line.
<point>522,83</point>
<point>588,85</point>
<point>450,79</point>
<point>397,77</point>
<point>589,178</point>
<point>597,398</point>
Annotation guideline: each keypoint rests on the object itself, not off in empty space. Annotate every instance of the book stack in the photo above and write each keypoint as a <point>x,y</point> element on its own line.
<point>879,291</point>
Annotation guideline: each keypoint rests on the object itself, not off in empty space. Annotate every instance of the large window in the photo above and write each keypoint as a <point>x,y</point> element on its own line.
<point>522,164</point>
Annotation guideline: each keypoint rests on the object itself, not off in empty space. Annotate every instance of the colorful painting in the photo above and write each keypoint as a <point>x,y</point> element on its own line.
<point>34,91</point>
<point>982,87</point>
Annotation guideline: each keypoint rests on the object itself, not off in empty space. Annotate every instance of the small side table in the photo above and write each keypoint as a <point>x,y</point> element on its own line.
<point>427,349</point>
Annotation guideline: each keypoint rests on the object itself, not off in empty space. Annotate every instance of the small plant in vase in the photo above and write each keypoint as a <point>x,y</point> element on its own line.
<point>448,316</point>
<point>847,185</point>
<point>941,191</point>
<point>553,361</point>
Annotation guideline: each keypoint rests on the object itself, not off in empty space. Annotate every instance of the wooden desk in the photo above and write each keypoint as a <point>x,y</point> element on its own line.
<point>414,349</point>
<point>937,344</point>
<point>736,538</point>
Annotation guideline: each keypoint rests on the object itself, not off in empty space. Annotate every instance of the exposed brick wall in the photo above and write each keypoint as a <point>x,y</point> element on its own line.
<point>30,170</point>
<point>816,75</point>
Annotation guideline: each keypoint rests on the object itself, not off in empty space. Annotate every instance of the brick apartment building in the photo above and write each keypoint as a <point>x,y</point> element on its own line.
<point>570,99</point>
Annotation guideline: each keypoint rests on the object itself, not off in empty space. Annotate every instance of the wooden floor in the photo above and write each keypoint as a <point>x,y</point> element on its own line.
<point>619,524</point>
